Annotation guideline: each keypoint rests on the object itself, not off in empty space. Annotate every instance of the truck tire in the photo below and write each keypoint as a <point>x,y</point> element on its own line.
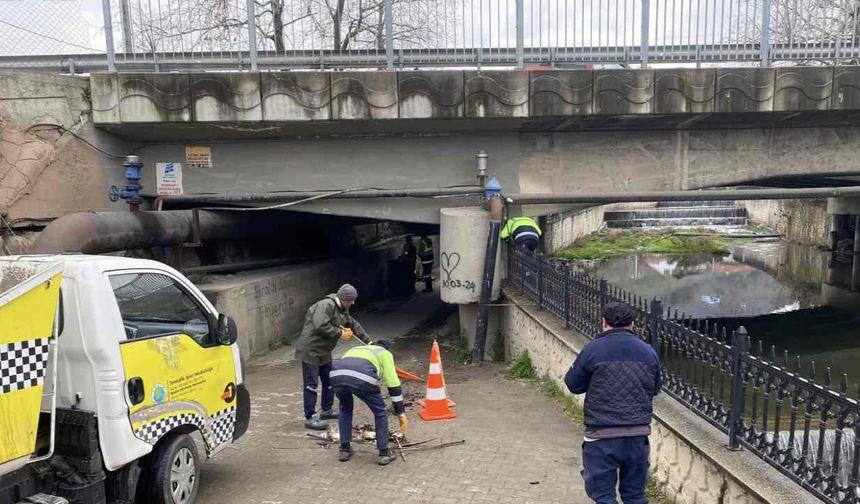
<point>174,472</point>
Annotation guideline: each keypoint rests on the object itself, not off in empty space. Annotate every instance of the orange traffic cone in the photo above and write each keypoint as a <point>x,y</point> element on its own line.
<point>436,405</point>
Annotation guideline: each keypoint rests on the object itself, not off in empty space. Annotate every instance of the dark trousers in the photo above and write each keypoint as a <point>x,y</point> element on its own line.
<point>606,460</point>
<point>528,243</point>
<point>376,404</point>
<point>427,273</point>
<point>311,376</point>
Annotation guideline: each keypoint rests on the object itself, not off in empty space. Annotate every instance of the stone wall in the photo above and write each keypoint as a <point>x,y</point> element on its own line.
<point>269,305</point>
<point>688,455</point>
<point>562,229</point>
<point>46,167</point>
<point>801,221</point>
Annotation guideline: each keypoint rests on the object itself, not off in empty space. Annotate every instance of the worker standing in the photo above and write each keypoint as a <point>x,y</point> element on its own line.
<point>357,374</point>
<point>425,253</point>
<point>524,231</point>
<point>326,321</point>
<point>620,375</point>
<point>408,260</point>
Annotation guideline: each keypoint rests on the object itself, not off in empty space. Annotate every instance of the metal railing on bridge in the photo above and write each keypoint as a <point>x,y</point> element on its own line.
<point>805,428</point>
<point>249,34</point>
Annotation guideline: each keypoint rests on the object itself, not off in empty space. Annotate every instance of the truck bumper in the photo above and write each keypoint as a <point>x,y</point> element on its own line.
<point>243,411</point>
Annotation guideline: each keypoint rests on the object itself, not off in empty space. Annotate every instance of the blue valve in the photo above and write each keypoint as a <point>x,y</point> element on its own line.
<point>493,188</point>
<point>131,193</point>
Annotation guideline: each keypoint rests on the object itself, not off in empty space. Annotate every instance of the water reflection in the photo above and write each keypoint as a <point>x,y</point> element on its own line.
<point>789,296</point>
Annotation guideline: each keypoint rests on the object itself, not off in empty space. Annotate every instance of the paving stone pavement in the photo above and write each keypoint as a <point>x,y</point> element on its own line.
<point>519,447</point>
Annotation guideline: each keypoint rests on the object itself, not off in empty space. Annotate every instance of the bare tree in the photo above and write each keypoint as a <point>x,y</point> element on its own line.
<point>823,23</point>
<point>221,25</point>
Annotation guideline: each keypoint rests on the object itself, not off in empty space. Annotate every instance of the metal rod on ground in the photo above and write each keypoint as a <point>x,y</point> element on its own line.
<point>704,195</point>
<point>494,197</point>
<point>434,447</point>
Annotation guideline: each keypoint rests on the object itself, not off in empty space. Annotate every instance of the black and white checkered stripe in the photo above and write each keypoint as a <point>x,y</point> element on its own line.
<point>22,364</point>
<point>222,425</point>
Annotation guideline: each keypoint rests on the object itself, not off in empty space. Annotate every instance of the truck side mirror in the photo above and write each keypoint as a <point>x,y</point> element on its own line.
<point>227,331</point>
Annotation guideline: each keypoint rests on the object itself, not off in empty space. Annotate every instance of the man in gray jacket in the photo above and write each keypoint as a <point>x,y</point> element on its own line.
<point>326,321</point>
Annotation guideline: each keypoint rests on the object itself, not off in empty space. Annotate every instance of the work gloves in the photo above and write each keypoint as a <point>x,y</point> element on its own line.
<point>404,423</point>
<point>347,334</point>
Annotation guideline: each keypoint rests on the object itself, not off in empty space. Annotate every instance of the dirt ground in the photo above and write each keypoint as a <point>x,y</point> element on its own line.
<point>520,447</point>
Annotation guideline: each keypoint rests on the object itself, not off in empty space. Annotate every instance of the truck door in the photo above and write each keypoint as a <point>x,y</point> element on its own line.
<point>176,372</point>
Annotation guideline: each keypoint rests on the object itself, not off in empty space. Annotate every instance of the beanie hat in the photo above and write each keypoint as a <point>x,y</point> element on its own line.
<point>383,343</point>
<point>618,314</point>
<point>347,292</point>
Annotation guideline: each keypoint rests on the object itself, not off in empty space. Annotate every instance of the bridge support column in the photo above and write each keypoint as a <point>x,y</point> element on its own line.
<point>462,250</point>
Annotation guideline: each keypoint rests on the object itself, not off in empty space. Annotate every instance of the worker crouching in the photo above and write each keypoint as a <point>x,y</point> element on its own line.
<point>358,374</point>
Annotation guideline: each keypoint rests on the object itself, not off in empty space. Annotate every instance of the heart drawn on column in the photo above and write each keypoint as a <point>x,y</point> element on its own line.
<point>448,263</point>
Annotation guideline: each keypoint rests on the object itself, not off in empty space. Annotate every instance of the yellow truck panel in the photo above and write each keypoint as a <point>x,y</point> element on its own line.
<point>184,383</point>
<point>27,313</point>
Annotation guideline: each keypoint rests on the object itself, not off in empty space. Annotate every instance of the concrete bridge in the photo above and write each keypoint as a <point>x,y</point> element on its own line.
<point>545,131</point>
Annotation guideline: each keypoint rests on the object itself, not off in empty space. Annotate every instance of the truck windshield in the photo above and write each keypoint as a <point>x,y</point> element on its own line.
<point>152,304</point>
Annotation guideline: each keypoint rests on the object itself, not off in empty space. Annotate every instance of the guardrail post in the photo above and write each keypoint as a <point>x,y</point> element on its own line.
<point>646,19</point>
<point>520,34</point>
<point>764,43</point>
<point>252,32</point>
<point>736,419</point>
<point>389,35</point>
<point>656,318</point>
<point>109,48</point>
<point>603,295</point>
<point>567,281</point>
<point>540,283</point>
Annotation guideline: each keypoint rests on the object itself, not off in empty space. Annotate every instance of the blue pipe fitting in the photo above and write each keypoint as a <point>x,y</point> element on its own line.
<point>131,193</point>
<point>493,188</point>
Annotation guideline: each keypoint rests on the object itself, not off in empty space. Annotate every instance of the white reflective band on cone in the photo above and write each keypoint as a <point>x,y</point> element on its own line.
<point>436,394</point>
<point>435,368</point>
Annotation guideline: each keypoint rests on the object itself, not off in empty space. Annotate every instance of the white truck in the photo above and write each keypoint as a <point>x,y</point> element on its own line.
<point>116,374</point>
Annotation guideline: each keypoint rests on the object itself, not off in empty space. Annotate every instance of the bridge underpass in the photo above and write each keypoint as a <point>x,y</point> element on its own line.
<point>366,153</point>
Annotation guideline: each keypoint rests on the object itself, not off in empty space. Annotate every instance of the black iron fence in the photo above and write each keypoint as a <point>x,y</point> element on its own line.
<point>806,427</point>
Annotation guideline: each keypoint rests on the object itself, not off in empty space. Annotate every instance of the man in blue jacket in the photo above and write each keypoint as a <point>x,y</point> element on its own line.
<point>620,375</point>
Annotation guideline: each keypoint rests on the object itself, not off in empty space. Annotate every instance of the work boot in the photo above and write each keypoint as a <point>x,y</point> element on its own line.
<point>345,455</point>
<point>328,415</point>
<point>428,289</point>
<point>385,459</point>
<point>315,424</point>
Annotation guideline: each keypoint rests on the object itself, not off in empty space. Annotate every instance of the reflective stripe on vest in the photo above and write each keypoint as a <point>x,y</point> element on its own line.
<point>354,374</point>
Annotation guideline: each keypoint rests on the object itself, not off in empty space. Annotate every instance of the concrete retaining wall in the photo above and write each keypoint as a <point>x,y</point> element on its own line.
<point>801,221</point>
<point>562,229</point>
<point>269,305</point>
<point>688,457</point>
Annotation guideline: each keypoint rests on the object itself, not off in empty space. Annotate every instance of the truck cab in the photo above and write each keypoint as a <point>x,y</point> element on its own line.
<point>147,378</point>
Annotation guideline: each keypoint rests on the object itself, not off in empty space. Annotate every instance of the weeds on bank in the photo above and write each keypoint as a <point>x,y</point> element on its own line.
<point>461,348</point>
<point>521,368</point>
<point>609,243</point>
<point>653,492</point>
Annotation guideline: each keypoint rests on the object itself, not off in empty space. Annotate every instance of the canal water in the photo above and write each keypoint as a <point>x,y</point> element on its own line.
<point>793,297</point>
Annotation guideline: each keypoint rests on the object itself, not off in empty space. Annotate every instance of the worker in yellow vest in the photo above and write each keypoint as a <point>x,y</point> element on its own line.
<point>523,231</point>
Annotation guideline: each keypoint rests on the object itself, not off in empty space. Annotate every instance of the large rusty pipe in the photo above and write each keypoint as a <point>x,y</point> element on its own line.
<point>101,232</point>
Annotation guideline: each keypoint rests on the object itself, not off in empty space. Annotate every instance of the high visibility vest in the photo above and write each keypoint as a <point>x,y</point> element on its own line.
<point>519,227</point>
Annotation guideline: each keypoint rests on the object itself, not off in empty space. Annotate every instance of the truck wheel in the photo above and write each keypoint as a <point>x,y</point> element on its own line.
<point>175,475</point>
